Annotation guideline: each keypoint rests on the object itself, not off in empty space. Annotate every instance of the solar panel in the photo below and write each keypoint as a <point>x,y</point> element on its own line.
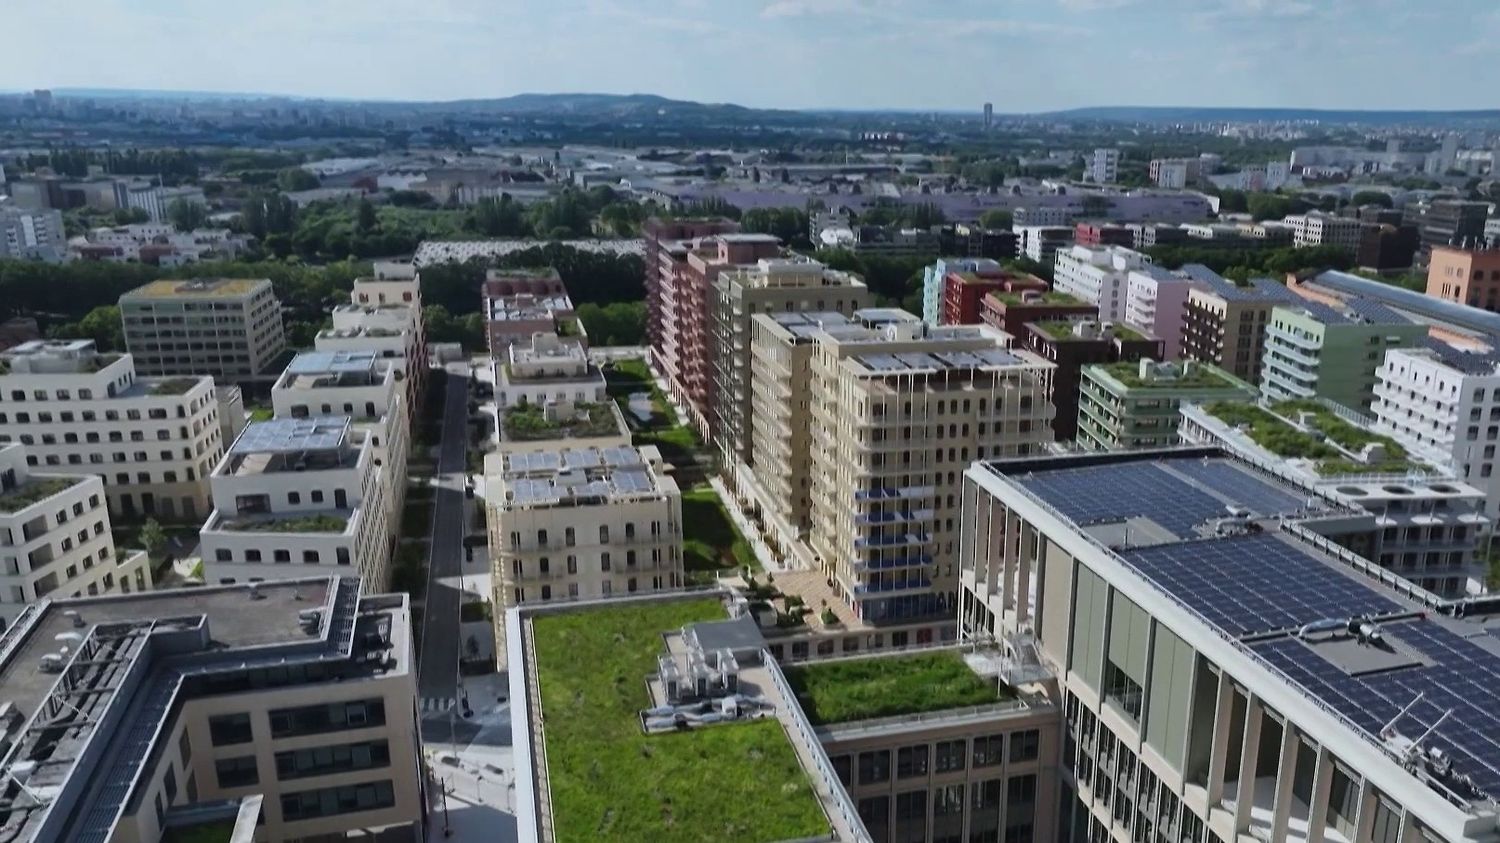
<point>1261,495</point>
<point>330,362</point>
<point>1256,583</point>
<point>288,436</point>
<point>1121,491</point>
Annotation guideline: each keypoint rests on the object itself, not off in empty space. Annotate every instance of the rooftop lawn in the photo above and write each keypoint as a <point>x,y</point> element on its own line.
<point>1199,376</point>
<point>1047,297</point>
<point>33,491</point>
<point>1268,430</point>
<point>610,781</point>
<point>173,386</point>
<point>710,541</point>
<point>861,689</point>
<point>529,422</point>
<point>1063,330</point>
<point>303,524</point>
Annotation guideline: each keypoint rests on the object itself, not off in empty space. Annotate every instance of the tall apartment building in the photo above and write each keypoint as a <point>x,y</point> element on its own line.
<point>1156,305</point>
<point>547,369</point>
<point>1098,276</point>
<point>965,293</point>
<point>32,234</point>
<point>281,711</point>
<point>1125,406</point>
<point>581,524</point>
<point>226,327</point>
<point>662,241</point>
<point>1224,323</point>
<point>1427,523</point>
<point>519,303</point>
<point>153,441</point>
<point>1465,276</point>
<point>771,285</point>
<point>1104,166</point>
<point>1316,228</point>
<point>1314,350</point>
<point>684,278</point>
<point>374,313</point>
<point>293,493</point>
<point>1071,345</point>
<point>1175,173</point>
<point>935,276</point>
<point>1225,673</point>
<point>1438,399</point>
<point>55,539</point>
<point>898,409</point>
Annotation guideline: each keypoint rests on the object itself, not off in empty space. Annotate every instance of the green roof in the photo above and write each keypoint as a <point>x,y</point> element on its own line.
<point>1047,297</point>
<point>609,780</point>
<point>889,686</point>
<point>173,386</point>
<point>1198,376</point>
<point>33,491</point>
<point>529,423</point>
<point>1270,430</point>
<point>1063,330</point>
<point>293,524</point>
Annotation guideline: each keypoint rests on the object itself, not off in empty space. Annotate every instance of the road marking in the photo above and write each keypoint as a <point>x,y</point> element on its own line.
<point>438,704</point>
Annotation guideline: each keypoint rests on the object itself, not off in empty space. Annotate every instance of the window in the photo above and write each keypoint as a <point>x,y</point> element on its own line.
<point>1020,808</point>
<point>237,772</point>
<point>950,755</point>
<point>331,801</point>
<point>310,556</point>
<point>328,760</point>
<point>222,555</point>
<point>333,717</point>
<point>1024,746</point>
<point>989,751</point>
<point>228,729</point>
<point>874,767</point>
<point>911,817</point>
<point>876,813</point>
<point>911,761</point>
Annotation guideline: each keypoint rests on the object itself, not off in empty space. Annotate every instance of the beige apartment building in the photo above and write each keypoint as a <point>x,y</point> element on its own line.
<point>899,409</point>
<point>226,327</point>
<point>154,441</point>
<point>1225,323</point>
<point>277,712</point>
<point>393,283</point>
<point>771,285</point>
<point>55,539</point>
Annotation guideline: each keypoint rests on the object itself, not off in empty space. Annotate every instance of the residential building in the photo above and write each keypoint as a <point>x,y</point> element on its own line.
<point>1072,344</point>
<point>934,277</point>
<point>1104,166</point>
<point>1146,235</point>
<point>581,524</point>
<point>153,441</point>
<point>226,327</point>
<point>1450,322</point>
<point>1094,235</point>
<point>1386,248</point>
<point>1466,276</point>
<point>374,297</point>
<point>1098,276</point>
<point>1127,406</point>
<point>897,407</point>
<point>520,303</point>
<point>1243,676</point>
<point>970,240</point>
<point>1449,222</point>
<point>1175,173</point>
<point>55,539</point>
<point>663,249</point>
<point>280,711</point>
<point>1314,350</point>
<point>771,285</point>
<point>32,234</point>
<point>1043,216</point>
<point>1156,305</point>
<point>1316,228</point>
<point>964,293</point>
<point>526,427</point>
<point>547,369</point>
<point>1011,312</point>
<point>1224,323</point>
<point>1042,243</point>
<point>888,240</point>
<point>293,493</point>
<point>1427,524</point>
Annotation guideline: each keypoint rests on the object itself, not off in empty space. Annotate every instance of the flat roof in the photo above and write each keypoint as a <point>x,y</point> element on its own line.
<point>575,475</point>
<point>331,362</point>
<point>876,686</point>
<point>937,361</point>
<point>290,436</point>
<point>197,288</point>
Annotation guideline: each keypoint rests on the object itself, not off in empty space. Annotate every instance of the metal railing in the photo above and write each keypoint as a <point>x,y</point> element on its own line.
<point>947,715</point>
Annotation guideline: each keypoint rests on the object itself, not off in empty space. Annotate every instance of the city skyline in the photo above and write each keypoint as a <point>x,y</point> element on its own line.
<point>807,54</point>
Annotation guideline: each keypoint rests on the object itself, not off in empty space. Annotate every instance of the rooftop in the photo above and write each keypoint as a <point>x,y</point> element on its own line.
<point>576,476</point>
<point>1170,376</point>
<point>1065,330</point>
<point>197,288</point>
<point>291,436</point>
<point>35,490</point>
<point>312,369</point>
<point>1027,298</point>
<point>172,386</point>
<point>580,420</point>
<point>843,690</point>
<point>527,306</point>
<point>1309,430</point>
<point>322,522</point>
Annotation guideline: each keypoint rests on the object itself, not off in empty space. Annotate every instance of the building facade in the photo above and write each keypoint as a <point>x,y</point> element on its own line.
<point>1320,351</point>
<point>1224,324</point>
<point>964,293</point>
<point>1126,406</point>
<point>1156,305</point>
<point>1098,276</point>
<point>226,327</point>
<point>935,275</point>
<point>1465,276</point>
<point>1071,345</point>
<point>32,234</point>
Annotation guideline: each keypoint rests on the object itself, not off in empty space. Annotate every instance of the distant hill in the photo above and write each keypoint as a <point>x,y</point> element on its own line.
<point>612,106</point>
<point>1189,114</point>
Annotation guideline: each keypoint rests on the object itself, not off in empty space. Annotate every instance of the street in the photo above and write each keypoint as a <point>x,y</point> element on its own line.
<point>437,669</point>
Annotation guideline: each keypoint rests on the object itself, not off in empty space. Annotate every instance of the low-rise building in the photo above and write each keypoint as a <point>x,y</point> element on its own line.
<point>278,710</point>
<point>226,327</point>
<point>153,441</point>
<point>547,369</point>
<point>521,303</point>
<point>1316,228</point>
<point>55,539</point>
<point>934,278</point>
<point>1072,344</point>
<point>1316,350</point>
<point>293,493</point>
<point>1124,406</point>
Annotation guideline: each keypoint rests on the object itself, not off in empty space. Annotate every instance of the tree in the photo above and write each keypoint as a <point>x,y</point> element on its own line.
<point>185,215</point>
<point>1269,206</point>
<point>103,326</point>
<point>1372,197</point>
<point>500,217</point>
<point>366,221</point>
<point>790,225</point>
<point>153,537</point>
<point>997,218</point>
<point>129,216</point>
<point>296,178</point>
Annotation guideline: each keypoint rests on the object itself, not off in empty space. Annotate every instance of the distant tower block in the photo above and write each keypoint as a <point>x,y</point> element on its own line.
<point>989,116</point>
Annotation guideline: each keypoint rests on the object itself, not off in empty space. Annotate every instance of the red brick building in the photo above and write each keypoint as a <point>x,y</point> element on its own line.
<point>964,292</point>
<point>1011,311</point>
<point>1075,344</point>
<point>522,302</point>
<point>1099,234</point>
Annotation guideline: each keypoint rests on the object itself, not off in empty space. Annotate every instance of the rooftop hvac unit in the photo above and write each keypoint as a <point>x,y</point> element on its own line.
<point>52,663</point>
<point>72,615</point>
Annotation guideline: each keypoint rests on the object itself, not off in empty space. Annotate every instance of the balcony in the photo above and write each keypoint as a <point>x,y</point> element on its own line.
<point>914,515</point>
<point>921,560</point>
<point>902,540</point>
<point>893,586</point>
<point>895,493</point>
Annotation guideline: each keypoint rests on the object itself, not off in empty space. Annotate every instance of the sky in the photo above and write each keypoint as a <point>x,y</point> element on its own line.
<point>1022,55</point>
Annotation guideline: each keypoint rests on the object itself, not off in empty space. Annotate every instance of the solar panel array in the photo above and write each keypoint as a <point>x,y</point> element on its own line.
<point>1256,583</point>
<point>1462,678</point>
<point>1240,485</point>
<point>289,436</point>
<point>937,360</point>
<point>573,459</point>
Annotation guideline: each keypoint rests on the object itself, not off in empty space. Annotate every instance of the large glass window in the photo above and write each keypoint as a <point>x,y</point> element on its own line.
<point>337,758</point>
<point>989,750</point>
<point>332,717</point>
<point>227,729</point>
<point>331,801</point>
<point>236,772</point>
<point>876,813</point>
<point>948,814</point>
<point>1020,808</point>
<point>874,767</point>
<point>911,817</point>
<point>911,761</point>
<point>950,755</point>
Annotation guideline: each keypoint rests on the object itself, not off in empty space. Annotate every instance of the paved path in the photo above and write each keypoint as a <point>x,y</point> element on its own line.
<point>437,675</point>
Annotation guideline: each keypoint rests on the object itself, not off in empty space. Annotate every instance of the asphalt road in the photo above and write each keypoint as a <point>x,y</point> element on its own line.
<point>437,668</point>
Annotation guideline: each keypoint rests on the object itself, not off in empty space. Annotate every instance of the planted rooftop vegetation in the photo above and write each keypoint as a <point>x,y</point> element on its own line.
<point>173,386</point>
<point>1270,429</point>
<point>33,491</point>
<point>1064,331</point>
<point>300,524</point>
<point>1197,376</point>
<point>610,781</point>
<point>890,686</point>
<point>1046,297</point>
<point>529,422</point>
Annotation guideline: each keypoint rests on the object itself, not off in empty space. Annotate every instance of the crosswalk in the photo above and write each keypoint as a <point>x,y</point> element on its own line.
<point>437,704</point>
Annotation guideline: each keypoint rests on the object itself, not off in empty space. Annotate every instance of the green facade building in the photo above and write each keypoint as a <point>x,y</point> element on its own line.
<point>1318,351</point>
<point>1135,405</point>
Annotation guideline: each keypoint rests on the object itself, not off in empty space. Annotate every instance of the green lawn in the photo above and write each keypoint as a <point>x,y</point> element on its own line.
<point>215,832</point>
<point>710,541</point>
<point>610,781</point>
<point>860,689</point>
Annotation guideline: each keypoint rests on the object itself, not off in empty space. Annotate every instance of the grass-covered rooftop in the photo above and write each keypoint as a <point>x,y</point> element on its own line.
<point>888,686</point>
<point>1051,297</point>
<point>1325,442</point>
<point>1063,330</point>
<point>1197,376</point>
<point>529,422</point>
<point>610,781</point>
<point>322,523</point>
<point>34,491</point>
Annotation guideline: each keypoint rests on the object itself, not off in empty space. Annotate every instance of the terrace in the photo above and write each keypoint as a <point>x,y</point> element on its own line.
<point>34,491</point>
<point>1063,330</point>
<point>172,386</point>
<point>1051,297</point>
<point>529,423</point>
<point>1197,376</point>
<point>1317,434</point>
<point>319,523</point>
<point>842,691</point>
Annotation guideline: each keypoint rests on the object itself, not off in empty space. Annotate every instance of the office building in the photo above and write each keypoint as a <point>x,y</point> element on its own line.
<point>281,711</point>
<point>1104,166</point>
<point>1316,228</point>
<point>1094,235</point>
<point>1156,305</point>
<point>935,275</point>
<point>1098,276</point>
<point>1224,323</point>
<point>897,408</point>
<point>519,303</point>
<point>1387,248</point>
<point>32,234</point>
<point>1126,406</point>
<point>153,441</point>
<point>293,493</point>
<point>1315,350</point>
<point>1449,222</point>
<point>55,539</point>
<point>547,369</point>
<point>1042,243</point>
<point>1072,344</point>
<point>1426,525</point>
<point>226,327</point>
<point>581,524</point>
<point>1466,276</point>
<point>964,293</point>
<point>1225,672</point>
<point>771,285</point>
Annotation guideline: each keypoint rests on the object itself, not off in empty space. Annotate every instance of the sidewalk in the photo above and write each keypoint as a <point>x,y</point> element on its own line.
<point>476,771</point>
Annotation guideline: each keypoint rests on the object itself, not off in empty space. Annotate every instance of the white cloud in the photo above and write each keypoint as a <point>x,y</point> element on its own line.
<point>809,8</point>
<point>1094,5</point>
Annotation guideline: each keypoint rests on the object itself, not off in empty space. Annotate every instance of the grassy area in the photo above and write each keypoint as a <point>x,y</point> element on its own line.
<point>173,386</point>
<point>1063,330</point>
<point>529,422</point>
<point>33,491</point>
<point>679,444</point>
<point>215,832</point>
<point>841,691</point>
<point>1199,376</point>
<point>305,524</point>
<point>710,541</point>
<point>1268,430</point>
<point>1047,297</point>
<point>610,781</point>
<point>260,414</point>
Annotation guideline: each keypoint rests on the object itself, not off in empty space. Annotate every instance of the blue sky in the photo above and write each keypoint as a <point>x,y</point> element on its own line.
<point>1024,55</point>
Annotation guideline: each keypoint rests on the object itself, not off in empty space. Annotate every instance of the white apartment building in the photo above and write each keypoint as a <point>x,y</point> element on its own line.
<point>1156,303</point>
<point>581,523</point>
<point>1099,276</point>
<point>393,331</point>
<point>295,493</point>
<point>226,327</point>
<point>32,234</point>
<point>1046,216</point>
<point>1172,175</point>
<point>545,370</point>
<point>153,441</point>
<point>1319,229</point>
<point>1446,401</point>
<point>55,539</point>
<point>899,409</point>
<point>1104,166</point>
<point>1042,242</point>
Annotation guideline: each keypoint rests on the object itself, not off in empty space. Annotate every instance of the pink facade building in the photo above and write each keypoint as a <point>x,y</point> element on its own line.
<point>1156,304</point>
